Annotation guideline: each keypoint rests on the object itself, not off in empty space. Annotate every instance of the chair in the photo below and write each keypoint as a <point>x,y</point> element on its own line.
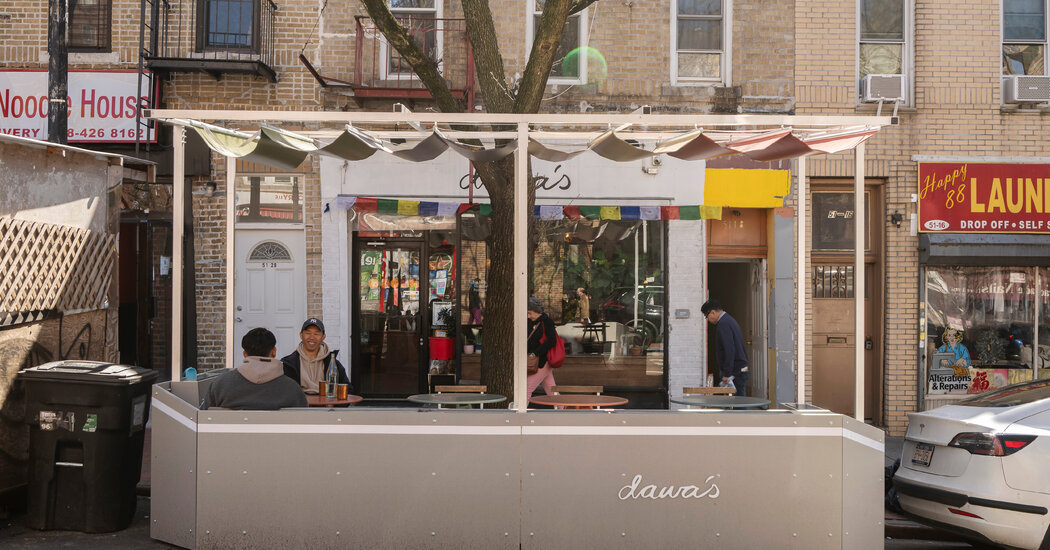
<point>579,389</point>
<point>461,389</point>
<point>709,390</point>
<point>596,390</point>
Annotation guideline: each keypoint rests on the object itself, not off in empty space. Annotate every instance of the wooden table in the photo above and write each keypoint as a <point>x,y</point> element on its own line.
<point>315,400</point>
<point>721,401</point>
<point>456,399</point>
<point>579,400</point>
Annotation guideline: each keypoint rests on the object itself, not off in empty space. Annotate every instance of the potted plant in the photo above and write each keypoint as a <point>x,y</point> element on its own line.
<point>468,342</point>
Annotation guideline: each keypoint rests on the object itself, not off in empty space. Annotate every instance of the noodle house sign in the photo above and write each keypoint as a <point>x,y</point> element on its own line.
<point>971,197</point>
<point>100,105</point>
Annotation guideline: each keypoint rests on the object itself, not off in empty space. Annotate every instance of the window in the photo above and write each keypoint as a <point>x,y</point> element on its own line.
<point>833,221</point>
<point>1024,36</point>
<point>227,25</point>
<point>570,61</point>
<point>90,26</point>
<point>422,20</point>
<point>700,41</point>
<point>882,37</point>
<point>269,199</point>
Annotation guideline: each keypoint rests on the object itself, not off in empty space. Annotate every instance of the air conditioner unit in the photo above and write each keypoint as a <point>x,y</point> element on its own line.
<point>885,87</point>
<point>1026,89</point>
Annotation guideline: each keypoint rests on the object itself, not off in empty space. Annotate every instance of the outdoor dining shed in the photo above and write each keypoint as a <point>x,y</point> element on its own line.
<point>517,478</point>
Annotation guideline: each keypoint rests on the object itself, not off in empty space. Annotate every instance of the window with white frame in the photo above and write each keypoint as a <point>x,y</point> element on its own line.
<point>1024,37</point>
<point>700,41</point>
<point>883,37</point>
<point>422,20</point>
<point>570,61</point>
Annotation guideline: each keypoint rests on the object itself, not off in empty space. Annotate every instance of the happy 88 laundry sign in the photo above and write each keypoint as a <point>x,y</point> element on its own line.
<point>100,105</point>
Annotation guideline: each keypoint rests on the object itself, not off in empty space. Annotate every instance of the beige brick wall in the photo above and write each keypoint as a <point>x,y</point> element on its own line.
<point>956,111</point>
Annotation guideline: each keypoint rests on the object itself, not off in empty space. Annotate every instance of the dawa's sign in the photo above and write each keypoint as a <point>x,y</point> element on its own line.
<point>972,197</point>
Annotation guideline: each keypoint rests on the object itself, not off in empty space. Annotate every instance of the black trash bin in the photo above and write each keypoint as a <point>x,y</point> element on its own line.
<point>87,422</point>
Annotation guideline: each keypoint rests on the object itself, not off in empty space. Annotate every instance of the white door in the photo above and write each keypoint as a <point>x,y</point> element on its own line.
<point>270,286</point>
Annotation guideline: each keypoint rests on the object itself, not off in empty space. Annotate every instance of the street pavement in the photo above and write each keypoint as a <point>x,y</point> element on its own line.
<point>901,532</point>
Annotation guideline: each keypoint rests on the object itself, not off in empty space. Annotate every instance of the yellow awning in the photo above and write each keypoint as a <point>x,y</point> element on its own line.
<point>746,188</point>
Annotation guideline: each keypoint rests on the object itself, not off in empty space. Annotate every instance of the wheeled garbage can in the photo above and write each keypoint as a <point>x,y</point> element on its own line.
<point>87,422</point>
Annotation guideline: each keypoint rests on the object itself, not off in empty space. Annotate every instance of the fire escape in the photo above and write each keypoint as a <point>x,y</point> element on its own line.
<point>380,73</point>
<point>216,37</point>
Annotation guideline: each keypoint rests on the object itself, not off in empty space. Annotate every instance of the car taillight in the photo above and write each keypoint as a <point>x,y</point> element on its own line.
<point>990,444</point>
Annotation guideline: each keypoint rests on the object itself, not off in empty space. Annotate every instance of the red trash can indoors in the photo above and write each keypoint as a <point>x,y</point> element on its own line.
<point>442,348</point>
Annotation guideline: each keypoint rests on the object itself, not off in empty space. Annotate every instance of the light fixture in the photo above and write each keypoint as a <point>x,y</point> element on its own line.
<point>209,189</point>
<point>896,218</point>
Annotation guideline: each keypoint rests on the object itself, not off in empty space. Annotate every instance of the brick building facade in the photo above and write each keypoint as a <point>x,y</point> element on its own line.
<point>774,57</point>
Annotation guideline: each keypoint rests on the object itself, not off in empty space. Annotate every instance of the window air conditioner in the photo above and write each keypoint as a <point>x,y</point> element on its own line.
<point>885,87</point>
<point>1026,89</point>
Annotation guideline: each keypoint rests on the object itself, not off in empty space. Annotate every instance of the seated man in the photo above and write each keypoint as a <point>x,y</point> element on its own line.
<point>309,363</point>
<point>257,383</point>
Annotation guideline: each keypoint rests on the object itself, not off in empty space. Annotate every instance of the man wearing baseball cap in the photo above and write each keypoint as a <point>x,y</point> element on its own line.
<point>309,363</point>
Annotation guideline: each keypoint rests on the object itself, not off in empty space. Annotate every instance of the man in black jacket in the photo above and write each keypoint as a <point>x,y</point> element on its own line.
<point>731,355</point>
<point>309,363</point>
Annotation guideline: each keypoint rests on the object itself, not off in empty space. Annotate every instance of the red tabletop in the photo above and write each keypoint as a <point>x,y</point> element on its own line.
<point>584,401</point>
<point>322,401</point>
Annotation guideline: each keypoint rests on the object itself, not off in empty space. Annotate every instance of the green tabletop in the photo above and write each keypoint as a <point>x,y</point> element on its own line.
<point>456,398</point>
<point>721,401</point>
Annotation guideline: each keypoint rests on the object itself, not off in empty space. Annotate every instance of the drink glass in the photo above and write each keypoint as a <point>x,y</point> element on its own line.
<point>342,390</point>
<point>322,388</point>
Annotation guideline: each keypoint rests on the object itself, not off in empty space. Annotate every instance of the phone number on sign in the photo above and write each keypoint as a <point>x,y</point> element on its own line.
<point>103,133</point>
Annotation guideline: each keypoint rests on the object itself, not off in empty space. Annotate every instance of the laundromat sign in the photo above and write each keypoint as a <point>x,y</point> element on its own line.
<point>100,105</point>
<point>970,197</point>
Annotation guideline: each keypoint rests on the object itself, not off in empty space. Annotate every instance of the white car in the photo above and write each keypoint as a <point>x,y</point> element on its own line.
<point>981,467</point>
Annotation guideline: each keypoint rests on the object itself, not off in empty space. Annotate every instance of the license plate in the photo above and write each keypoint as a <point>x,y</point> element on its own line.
<point>922,455</point>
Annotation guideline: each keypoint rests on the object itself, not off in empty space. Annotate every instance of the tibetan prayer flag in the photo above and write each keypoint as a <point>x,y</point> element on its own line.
<point>386,206</point>
<point>610,212</point>
<point>408,208</point>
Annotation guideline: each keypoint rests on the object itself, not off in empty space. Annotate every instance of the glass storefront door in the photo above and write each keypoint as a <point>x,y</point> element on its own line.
<point>389,361</point>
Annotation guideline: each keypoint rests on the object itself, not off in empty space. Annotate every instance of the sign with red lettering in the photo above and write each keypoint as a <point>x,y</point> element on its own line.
<point>100,105</point>
<point>974,197</point>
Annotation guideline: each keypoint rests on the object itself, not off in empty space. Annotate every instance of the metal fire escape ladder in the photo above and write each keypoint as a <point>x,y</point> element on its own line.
<point>147,32</point>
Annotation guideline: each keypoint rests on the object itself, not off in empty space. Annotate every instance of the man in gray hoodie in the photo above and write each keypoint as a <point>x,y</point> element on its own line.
<point>259,382</point>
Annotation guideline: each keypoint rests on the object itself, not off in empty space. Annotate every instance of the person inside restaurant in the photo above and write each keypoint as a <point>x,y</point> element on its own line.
<point>308,365</point>
<point>259,382</point>
<point>542,337</point>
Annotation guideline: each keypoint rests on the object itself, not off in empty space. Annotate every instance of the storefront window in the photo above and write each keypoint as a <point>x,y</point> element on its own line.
<point>981,326</point>
<point>269,199</point>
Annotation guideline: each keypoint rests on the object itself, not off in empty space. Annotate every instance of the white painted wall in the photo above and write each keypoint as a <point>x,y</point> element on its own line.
<point>687,289</point>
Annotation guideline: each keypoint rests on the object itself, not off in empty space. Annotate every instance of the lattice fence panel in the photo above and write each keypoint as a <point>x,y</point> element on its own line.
<point>47,267</point>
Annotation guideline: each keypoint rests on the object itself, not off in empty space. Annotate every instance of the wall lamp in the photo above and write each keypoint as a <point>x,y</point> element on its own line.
<point>896,218</point>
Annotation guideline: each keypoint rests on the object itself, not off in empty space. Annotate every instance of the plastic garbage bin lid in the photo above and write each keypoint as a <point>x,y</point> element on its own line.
<point>97,372</point>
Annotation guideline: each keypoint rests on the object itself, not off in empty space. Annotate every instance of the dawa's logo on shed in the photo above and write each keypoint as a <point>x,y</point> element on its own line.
<point>935,225</point>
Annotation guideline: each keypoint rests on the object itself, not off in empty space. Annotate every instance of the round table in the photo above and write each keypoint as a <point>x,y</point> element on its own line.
<point>721,401</point>
<point>457,399</point>
<point>315,400</point>
<point>579,400</point>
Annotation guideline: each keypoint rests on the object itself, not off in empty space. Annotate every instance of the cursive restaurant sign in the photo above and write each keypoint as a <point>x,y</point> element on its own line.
<point>636,490</point>
<point>973,197</point>
<point>100,105</point>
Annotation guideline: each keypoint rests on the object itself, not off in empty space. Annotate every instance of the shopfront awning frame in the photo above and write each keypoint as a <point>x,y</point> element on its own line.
<point>550,126</point>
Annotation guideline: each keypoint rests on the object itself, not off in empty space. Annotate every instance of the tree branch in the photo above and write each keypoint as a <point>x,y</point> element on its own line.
<point>488,62</point>
<point>541,58</point>
<point>423,65</point>
<point>580,5</point>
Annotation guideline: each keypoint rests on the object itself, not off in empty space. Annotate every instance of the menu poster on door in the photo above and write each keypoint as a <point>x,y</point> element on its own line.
<point>974,197</point>
<point>370,276</point>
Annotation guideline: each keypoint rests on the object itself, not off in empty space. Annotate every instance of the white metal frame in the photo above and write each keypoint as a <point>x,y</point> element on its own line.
<point>907,50</point>
<point>727,50</point>
<point>597,123</point>
<point>581,20</point>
